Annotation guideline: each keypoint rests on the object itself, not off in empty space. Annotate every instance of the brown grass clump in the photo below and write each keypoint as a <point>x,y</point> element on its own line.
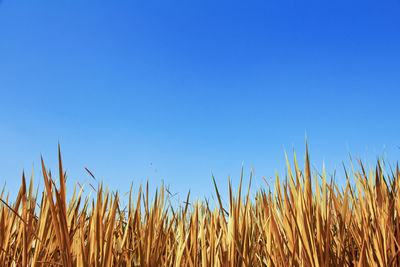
<point>294,226</point>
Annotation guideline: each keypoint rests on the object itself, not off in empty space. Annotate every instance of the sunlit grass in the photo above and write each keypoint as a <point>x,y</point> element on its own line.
<point>307,221</point>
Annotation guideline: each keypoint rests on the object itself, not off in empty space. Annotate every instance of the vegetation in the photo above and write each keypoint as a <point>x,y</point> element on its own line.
<point>302,223</point>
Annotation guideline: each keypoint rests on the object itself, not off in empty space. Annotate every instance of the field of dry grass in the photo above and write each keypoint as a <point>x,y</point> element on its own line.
<point>307,221</point>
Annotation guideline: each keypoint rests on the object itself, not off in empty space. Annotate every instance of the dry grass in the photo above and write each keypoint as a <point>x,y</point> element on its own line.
<point>294,226</point>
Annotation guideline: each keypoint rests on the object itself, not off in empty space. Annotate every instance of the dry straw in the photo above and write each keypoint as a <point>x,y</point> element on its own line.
<point>302,223</point>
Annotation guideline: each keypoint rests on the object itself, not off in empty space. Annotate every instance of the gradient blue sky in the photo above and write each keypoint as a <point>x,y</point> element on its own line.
<point>195,87</point>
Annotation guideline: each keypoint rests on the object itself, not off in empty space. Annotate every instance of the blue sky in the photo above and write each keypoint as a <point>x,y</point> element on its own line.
<point>177,90</point>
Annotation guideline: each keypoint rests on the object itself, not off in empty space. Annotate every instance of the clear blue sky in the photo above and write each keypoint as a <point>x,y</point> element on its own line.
<point>195,87</point>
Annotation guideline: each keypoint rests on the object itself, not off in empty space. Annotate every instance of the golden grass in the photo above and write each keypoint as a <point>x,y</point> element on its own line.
<point>294,226</point>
